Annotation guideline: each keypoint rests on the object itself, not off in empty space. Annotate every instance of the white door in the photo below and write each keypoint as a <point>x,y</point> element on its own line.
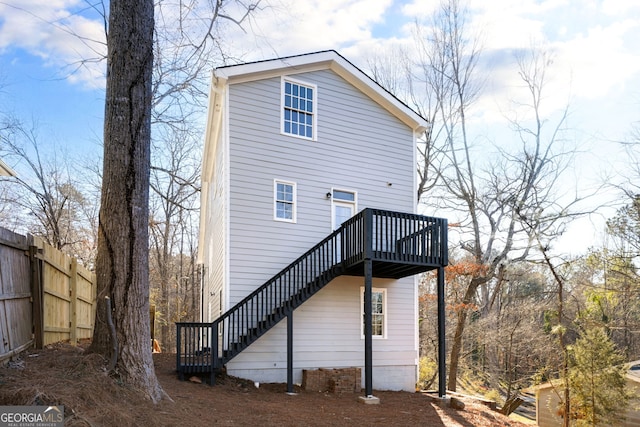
<point>343,207</point>
<point>341,213</point>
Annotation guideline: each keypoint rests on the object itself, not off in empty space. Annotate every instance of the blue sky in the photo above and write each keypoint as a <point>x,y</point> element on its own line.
<point>40,79</point>
<point>596,64</point>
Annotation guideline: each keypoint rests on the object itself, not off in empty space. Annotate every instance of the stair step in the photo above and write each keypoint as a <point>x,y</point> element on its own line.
<point>278,314</point>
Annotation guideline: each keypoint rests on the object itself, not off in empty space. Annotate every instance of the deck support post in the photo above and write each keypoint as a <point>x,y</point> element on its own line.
<point>442,349</point>
<point>213,330</point>
<point>368,284</point>
<point>368,328</point>
<point>290,352</point>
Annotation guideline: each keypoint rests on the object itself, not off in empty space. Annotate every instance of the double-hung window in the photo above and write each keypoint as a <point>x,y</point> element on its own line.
<point>298,109</point>
<point>284,201</point>
<point>378,312</point>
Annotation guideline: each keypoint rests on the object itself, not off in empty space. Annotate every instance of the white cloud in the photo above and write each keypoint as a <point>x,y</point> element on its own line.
<point>420,9</point>
<point>592,58</point>
<point>57,33</point>
<point>291,27</point>
<point>594,54</point>
<point>620,7</point>
<point>600,60</point>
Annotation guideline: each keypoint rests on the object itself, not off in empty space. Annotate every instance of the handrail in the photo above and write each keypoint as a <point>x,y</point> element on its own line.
<point>268,304</point>
<point>372,233</point>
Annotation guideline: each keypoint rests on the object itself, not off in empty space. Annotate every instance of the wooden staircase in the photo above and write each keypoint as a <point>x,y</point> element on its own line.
<point>398,244</point>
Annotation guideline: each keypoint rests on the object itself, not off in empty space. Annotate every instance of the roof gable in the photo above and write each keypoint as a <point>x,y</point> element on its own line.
<point>323,60</point>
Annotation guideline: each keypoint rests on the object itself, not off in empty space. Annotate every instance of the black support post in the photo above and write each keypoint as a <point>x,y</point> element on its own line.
<point>368,284</point>
<point>442,349</point>
<point>290,352</point>
<point>215,351</point>
<point>368,329</point>
<point>179,351</point>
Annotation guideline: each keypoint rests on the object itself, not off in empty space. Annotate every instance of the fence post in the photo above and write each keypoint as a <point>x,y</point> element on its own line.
<point>36,296</point>
<point>73,310</point>
<point>152,322</point>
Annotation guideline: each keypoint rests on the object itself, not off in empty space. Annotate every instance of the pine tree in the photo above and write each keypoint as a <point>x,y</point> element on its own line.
<point>597,380</point>
<point>122,262</point>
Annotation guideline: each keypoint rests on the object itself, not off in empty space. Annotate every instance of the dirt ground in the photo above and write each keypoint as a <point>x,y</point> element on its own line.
<point>64,375</point>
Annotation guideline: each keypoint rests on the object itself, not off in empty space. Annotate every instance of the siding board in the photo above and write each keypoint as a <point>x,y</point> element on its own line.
<point>359,147</point>
<point>331,320</point>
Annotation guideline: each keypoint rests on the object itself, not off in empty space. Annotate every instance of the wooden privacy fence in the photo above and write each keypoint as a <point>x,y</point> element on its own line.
<point>45,295</point>
<point>16,323</point>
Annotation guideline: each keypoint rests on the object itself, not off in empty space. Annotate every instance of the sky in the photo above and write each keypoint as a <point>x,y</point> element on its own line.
<point>595,46</point>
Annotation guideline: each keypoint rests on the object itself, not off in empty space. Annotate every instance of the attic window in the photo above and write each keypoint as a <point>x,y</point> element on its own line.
<point>298,109</point>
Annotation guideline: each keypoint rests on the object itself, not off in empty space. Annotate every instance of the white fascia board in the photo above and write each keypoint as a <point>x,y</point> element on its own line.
<point>5,170</point>
<point>204,211</point>
<point>276,67</point>
<point>322,61</point>
<point>213,130</point>
<point>212,136</point>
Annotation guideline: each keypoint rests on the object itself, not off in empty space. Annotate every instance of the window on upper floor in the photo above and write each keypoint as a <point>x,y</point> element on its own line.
<point>284,201</point>
<point>378,312</point>
<point>298,109</point>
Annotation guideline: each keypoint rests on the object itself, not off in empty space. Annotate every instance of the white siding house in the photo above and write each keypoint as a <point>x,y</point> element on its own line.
<point>294,146</point>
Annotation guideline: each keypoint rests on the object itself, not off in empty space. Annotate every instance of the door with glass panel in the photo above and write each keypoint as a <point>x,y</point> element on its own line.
<point>343,207</point>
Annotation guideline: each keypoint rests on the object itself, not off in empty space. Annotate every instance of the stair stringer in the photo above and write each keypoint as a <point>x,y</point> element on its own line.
<point>265,307</point>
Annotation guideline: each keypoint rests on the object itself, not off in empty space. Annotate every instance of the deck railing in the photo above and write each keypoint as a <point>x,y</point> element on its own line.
<point>383,236</point>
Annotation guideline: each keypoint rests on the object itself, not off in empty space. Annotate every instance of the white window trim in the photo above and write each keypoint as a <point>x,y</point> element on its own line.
<point>275,201</point>
<point>340,202</point>
<point>315,107</point>
<point>385,313</point>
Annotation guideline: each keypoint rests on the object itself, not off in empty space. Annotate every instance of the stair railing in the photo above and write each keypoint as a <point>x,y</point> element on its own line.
<point>392,236</point>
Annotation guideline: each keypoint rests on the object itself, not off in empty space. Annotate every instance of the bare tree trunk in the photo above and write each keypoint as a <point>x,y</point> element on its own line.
<point>122,264</point>
<point>566,403</point>
<point>456,346</point>
<point>164,303</point>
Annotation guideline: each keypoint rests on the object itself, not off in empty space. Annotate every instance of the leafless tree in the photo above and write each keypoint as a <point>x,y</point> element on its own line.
<point>626,223</point>
<point>45,198</point>
<point>514,201</point>
<point>134,100</point>
<point>511,339</point>
<point>448,60</point>
<point>416,76</point>
<point>631,187</point>
<point>175,184</point>
<point>122,262</point>
<point>560,329</point>
<point>188,43</point>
